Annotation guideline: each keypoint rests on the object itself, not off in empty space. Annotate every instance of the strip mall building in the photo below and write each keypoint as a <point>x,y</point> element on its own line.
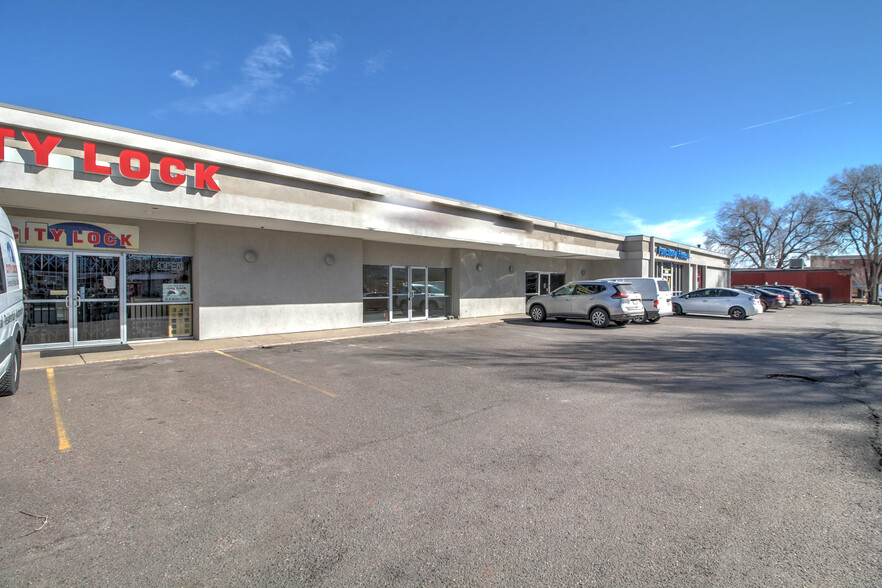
<point>127,236</point>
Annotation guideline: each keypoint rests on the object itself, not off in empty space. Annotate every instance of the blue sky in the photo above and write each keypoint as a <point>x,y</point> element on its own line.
<point>629,117</point>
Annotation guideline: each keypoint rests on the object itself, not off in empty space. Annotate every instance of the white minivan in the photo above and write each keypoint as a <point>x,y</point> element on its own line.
<point>12,330</point>
<point>656,294</point>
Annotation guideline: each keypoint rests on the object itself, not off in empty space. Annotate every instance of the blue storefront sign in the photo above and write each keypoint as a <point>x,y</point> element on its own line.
<point>675,253</point>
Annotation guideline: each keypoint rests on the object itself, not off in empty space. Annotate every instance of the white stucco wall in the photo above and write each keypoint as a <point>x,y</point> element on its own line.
<point>289,288</point>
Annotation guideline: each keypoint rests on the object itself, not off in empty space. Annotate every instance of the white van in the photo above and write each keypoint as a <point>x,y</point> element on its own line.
<point>656,293</point>
<point>12,329</point>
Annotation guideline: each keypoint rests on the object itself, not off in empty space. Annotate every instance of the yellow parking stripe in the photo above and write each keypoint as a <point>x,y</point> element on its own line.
<point>289,378</point>
<point>63,441</point>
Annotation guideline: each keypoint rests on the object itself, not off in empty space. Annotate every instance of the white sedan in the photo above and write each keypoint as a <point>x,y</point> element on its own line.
<point>722,301</point>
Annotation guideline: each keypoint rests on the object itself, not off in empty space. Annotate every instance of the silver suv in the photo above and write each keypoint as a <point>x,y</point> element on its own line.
<point>599,301</point>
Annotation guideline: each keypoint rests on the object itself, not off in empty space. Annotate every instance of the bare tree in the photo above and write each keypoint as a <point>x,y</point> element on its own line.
<point>744,231</point>
<point>756,234</point>
<point>856,201</point>
<point>805,226</point>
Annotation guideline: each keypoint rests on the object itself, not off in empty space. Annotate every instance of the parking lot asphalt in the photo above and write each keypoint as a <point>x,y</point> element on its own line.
<point>697,451</point>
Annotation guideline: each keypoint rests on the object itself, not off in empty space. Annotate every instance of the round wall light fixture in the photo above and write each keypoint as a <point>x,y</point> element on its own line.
<point>250,256</point>
<point>329,259</point>
<point>479,267</point>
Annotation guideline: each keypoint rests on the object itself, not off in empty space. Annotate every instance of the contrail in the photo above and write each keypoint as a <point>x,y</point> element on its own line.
<point>688,143</point>
<point>772,122</point>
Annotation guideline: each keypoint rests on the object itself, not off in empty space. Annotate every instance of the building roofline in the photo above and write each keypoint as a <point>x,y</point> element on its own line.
<point>121,136</point>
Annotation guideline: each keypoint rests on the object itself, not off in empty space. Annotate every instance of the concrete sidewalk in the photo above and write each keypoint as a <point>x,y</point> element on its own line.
<point>35,360</point>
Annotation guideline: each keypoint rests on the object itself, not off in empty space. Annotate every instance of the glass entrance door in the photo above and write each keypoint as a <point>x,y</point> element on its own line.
<point>544,283</point>
<point>72,298</point>
<point>409,293</point>
<point>97,299</point>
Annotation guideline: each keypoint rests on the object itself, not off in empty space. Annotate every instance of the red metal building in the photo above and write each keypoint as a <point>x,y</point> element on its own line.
<point>834,284</point>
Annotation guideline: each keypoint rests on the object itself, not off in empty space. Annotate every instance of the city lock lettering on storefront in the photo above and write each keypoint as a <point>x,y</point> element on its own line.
<point>133,165</point>
<point>59,234</point>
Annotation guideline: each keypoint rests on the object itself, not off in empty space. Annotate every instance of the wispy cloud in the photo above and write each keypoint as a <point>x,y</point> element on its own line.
<point>184,79</point>
<point>686,231</point>
<point>322,60</point>
<point>260,85</point>
<point>376,63</point>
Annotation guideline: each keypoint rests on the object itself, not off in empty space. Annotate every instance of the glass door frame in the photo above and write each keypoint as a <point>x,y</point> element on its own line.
<point>409,295</point>
<point>71,300</point>
<point>77,301</point>
<point>544,282</point>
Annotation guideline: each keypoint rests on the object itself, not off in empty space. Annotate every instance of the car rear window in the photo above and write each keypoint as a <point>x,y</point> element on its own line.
<point>626,289</point>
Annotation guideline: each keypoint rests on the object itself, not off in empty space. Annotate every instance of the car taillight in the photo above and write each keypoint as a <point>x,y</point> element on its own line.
<point>655,304</point>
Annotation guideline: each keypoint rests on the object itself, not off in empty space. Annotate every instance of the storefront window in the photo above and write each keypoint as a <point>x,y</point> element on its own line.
<point>439,294</point>
<point>375,293</point>
<point>159,296</point>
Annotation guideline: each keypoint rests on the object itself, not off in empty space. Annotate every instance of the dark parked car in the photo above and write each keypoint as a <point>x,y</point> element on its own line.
<point>792,296</point>
<point>768,299</point>
<point>810,297</point>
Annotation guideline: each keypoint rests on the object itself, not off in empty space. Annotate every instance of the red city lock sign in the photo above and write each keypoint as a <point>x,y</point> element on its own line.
<point>134,165</point>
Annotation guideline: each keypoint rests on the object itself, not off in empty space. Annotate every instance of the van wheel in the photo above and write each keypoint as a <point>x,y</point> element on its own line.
<point>640,321</point>
<point>9,381</point>
<point>537,313</point>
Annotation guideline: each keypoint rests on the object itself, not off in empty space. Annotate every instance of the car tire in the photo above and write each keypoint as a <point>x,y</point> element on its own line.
<point>678,309</point>
<point>11,378</point>
<point>806,301</point>
<point>737,313</point>
<point>640,321</point>
<point>537,313</point>
<point>764,305</point>
<point>599,317</point>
